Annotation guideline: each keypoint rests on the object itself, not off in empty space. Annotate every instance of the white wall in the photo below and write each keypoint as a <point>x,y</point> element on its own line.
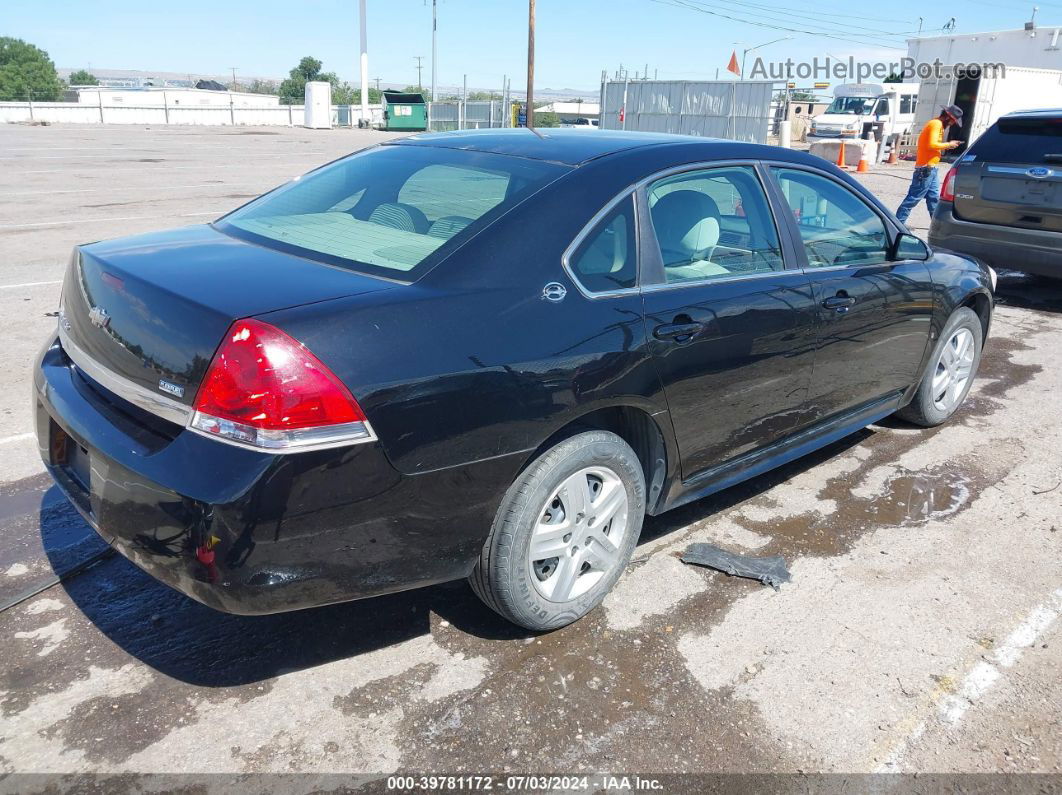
<point>180,97</point>
<point>1037,49</point>
<point>220,115</point>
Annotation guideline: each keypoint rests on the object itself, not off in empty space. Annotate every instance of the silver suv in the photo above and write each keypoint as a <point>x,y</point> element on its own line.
<point>1002,200</point>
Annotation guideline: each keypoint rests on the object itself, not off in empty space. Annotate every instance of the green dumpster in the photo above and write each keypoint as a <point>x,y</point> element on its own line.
<point>404,111</point>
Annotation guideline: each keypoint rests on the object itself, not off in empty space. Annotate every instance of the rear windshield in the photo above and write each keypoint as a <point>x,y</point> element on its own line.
<point>1021,141</point>
<point>392,211</point>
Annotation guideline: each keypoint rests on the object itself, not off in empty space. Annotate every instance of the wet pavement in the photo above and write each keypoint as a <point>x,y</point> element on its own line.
<point>920,632</point>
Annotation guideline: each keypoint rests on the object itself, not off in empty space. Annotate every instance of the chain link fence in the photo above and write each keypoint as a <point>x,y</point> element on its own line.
<point>471,115</point>
<point>735,109</point>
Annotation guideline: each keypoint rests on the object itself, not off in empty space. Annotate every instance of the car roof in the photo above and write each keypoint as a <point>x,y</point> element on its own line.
<point>1047,112</point>
<point>558,145</point>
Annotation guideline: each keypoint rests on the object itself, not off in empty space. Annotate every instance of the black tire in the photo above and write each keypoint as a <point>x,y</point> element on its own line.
<point>505,578</point>
<point>924,409</point>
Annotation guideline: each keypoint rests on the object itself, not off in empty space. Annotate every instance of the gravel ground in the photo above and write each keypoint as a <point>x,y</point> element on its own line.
<point>920,632</point>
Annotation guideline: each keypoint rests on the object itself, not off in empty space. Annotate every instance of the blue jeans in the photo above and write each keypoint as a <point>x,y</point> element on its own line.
<point>925,184</point>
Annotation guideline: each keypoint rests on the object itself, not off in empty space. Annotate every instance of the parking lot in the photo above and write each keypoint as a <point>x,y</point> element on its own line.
<point>920,633</point>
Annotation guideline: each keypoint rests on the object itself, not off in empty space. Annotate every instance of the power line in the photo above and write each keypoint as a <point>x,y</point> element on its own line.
<point>819,25</point>
<point>817,19</point>
<point>769,26</point>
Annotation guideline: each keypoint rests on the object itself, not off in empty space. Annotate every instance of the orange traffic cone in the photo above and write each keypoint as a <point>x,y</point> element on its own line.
<point>840,156</point>
<point>894,152</point>
<point>863,166</point>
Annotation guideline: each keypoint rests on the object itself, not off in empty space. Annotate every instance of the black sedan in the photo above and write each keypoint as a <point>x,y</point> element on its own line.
<point>485,355</point>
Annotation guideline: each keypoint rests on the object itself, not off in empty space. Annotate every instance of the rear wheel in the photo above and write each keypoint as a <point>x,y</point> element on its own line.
<point>564,532</point>
<point>950,373</point>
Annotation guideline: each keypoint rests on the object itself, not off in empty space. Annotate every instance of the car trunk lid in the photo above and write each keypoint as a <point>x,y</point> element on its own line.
<point>153,309</point>
<point>1013,175</point>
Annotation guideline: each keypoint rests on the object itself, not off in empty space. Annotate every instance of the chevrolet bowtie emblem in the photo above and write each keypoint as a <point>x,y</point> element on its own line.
<point>99,317</point>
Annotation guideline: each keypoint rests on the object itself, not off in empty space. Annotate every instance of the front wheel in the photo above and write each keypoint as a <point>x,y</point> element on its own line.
<point>950,373</point>
<point>564,532</point>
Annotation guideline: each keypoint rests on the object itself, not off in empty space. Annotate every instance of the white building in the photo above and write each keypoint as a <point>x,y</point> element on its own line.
<point>568,112</point>
<point>158,97</point>
<point>1036,48</point>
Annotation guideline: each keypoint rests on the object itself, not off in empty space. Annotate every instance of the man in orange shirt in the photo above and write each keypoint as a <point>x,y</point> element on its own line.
<point>925,184</point>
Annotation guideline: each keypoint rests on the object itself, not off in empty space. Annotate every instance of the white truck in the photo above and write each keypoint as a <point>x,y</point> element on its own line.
<point>986,97</point>
<point>882,108</point>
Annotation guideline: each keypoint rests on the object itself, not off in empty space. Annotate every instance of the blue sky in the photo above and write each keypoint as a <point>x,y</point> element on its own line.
<point>575,39</point>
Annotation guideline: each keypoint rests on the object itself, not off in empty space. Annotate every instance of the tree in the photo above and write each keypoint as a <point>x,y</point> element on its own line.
<point>893,78</point>
<point>259,86</point>
<point>480,96</point>
<point>26,72</point>
<point>293,89</point>
<point>375,96</point>
<point>418,90</point>
<point>547,119</point>
<point>82,78</point>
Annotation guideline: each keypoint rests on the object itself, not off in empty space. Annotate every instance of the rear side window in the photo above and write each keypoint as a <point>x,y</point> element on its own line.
<point>1028,140</point>
<point>713,224</point>
<point>606,259</point>
<point>393,211</point>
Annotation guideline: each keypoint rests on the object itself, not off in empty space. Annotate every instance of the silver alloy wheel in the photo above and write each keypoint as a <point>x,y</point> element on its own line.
<point>953,370</point>
<point>579,534</point>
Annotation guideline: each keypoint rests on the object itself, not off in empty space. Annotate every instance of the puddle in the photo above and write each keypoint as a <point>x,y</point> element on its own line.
<point>916,498</point>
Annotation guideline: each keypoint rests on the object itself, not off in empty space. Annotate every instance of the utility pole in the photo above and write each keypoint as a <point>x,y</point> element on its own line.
<point>746,51</point>
<point>531,63</point>
<point>434,54</point>
<point>419,58</point>
<point>235,85</point>
<point>377,84</point>
<point>364,67</point>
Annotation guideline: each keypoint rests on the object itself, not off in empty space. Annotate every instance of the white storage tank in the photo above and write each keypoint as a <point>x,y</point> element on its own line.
<point>318,105</point>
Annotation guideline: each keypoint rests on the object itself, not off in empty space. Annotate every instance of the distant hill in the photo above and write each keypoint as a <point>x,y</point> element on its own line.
<point>137,77</point>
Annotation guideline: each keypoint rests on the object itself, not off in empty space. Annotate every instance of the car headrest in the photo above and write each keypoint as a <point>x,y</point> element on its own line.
<point>400,216</point>
<point>686,224</point>
<point>448,226</point>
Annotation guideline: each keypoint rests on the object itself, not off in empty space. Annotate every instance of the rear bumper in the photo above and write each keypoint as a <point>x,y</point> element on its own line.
<point>248,532</point>
<point>1027,250</point>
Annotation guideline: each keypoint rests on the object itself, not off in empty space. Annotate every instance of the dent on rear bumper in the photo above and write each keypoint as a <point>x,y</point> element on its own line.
<point>249,532</point>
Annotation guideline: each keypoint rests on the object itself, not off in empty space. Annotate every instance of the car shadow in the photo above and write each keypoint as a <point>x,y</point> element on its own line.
<point>1028,292</point>
<point>190,642</point>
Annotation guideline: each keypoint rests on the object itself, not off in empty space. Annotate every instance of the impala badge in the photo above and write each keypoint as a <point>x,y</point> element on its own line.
<point>99,317</point>
<point>173,389</point>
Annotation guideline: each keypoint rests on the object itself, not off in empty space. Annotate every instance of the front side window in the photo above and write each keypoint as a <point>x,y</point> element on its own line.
<point>713,224</point>
<point>837,227</point>
<point>392,211</point>
<point>606,259</point>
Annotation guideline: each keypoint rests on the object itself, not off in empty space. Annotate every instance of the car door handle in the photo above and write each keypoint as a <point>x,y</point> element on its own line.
<point>680,332</point>
<point>839,303</point>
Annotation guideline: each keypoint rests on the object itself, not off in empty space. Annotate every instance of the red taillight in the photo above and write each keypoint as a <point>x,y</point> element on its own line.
<point>265,389</point>
<point>947,190</point>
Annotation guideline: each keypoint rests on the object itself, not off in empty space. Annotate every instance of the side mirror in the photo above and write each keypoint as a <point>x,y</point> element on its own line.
<point>907,246</point>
